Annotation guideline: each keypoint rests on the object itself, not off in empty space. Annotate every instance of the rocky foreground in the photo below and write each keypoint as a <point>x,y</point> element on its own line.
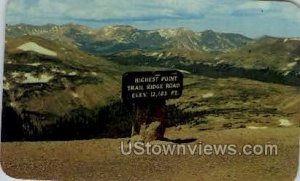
<point>101,159</point>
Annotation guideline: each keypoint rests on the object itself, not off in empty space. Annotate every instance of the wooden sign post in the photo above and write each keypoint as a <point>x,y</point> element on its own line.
<point>146,93</point>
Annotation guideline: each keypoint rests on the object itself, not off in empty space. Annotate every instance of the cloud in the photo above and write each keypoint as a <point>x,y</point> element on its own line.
<point>195,14</point>
<point>254,5</point>
<point>108,9</point>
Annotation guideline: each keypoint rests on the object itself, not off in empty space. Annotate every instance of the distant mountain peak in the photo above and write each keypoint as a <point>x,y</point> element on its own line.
<point>173,32</point>
<point>118,27</point>
<point>209,31</point>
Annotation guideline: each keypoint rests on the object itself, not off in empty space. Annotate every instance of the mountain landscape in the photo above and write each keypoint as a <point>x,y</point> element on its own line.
<point>63,82</point>
<point>116,38</point>
<point>51,71</point>
<point>176,47</point>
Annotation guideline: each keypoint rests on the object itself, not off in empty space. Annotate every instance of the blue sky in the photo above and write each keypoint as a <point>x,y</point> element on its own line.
<point>248,17</point>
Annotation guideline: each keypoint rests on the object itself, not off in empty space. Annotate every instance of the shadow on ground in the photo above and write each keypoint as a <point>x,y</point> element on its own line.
<point>180,141</point>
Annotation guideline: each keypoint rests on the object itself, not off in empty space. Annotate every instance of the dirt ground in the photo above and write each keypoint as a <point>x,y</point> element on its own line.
<point>101,159</point>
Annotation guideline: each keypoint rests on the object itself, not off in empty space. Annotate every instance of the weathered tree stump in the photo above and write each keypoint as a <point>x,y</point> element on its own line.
<point>150,121</point>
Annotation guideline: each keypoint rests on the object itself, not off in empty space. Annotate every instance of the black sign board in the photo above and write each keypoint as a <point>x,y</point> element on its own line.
<point>151,86</point>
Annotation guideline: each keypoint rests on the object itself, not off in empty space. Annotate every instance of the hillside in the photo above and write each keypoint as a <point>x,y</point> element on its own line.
<point>46,81</point>
<point>112,39</point>
<point>281,54</point>
<point>29,70</point>
<point>267,59</point>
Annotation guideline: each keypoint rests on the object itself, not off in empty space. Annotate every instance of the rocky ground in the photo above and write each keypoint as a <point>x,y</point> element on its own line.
<point>101,159</point>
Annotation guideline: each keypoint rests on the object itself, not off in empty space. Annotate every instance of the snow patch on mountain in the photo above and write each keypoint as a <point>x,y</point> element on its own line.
<point>257,127</point>
<point>292,64</point>
<point>43,78</point>
<point>208,95</point>
<point>31,46</point>
<point>285,122</point>
<point>291,39</point>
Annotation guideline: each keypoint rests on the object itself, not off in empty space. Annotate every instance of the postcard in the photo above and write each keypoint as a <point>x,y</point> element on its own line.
<point>151,90</point>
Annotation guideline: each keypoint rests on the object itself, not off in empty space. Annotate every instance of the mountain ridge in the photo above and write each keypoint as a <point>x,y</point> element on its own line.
<point>115,38</point>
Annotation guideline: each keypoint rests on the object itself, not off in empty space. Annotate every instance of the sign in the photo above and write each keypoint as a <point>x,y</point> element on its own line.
<point>151,86</point>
